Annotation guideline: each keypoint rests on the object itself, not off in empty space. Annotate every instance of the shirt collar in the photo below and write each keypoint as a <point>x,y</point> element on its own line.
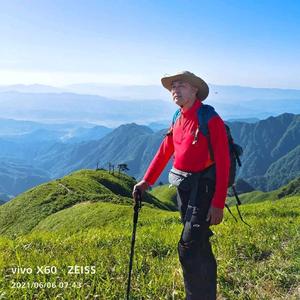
<point>192,109</point>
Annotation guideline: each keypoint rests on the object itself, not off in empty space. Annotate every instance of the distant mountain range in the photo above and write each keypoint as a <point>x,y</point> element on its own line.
<point>218,93</point>
<point>22,141</point>
<point>112,106</point>
<point>271,153</point>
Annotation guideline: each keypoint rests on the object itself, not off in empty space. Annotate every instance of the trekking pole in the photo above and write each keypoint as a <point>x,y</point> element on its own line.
<point>137,207</point>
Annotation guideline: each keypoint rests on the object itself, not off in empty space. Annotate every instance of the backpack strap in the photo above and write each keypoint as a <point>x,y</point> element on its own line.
<point>238,203</point>
<point>176,116</point>
<point>205,113</point>
<point>229,210</point>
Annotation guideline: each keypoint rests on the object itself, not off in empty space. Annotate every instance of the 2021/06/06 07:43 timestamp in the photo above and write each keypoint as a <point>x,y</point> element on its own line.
<point>47,284</point>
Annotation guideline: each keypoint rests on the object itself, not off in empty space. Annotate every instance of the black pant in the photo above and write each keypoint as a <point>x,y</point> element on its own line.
<point>195,254</point>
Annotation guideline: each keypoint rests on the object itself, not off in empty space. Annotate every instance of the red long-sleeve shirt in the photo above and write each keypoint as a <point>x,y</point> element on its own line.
<point>191,157</point>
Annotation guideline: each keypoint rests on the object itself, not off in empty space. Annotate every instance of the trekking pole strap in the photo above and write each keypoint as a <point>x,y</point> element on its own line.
<point>226,205</point>
<point>237,207</point>
<point>236,195</point>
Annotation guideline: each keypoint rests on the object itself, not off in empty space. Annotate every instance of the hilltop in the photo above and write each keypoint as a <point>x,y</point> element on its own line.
<point>26,211</point>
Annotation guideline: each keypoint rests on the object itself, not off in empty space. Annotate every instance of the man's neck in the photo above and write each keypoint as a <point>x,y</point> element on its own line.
<point>188,105</point>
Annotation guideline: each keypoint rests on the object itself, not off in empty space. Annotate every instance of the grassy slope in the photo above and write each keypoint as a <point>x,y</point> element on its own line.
<point>166,195</point>
<point>261,262</point>
<point>23,213</point>
<point>291,189</point>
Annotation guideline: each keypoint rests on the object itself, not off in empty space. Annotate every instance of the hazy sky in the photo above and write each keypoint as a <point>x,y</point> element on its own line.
<point>252,43</point>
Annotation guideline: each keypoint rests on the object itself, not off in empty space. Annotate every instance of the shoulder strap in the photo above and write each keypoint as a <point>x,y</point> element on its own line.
<point>205,113</point>
<point>176,116</point>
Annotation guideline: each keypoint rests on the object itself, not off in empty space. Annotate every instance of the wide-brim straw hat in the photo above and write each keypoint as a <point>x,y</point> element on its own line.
<point>189,77</point>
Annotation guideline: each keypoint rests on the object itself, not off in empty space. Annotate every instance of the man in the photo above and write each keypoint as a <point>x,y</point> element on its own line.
<point>201,204</point>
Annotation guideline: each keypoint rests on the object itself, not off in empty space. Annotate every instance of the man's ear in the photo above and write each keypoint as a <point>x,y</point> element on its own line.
<point>195,90</point>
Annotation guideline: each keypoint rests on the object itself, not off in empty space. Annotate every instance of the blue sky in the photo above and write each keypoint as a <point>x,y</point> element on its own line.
<point>250,43</point>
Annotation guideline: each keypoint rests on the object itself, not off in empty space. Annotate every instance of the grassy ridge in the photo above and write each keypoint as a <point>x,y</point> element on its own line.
<point>261,262</point>
<point>168,195</point>
<point>291,189</point>
<point>23,213</point>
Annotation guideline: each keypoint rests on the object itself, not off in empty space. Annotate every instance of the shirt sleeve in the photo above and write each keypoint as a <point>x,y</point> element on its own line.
<point>219,143</point>
<point>160,160</point>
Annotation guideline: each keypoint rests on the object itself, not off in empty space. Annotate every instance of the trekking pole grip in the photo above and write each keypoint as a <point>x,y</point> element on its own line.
<point>137,200</point>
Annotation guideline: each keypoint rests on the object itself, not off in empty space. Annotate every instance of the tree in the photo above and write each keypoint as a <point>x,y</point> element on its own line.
<point>111,168</point>
<point>122,167</point>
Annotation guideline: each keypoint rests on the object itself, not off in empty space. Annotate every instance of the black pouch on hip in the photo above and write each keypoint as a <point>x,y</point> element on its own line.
<point>180,179</point>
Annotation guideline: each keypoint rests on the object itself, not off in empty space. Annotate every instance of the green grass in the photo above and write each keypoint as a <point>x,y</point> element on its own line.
<point>85,219</point>
<point>261,262</point>
<point>291,189</point>
<point>166,195</point>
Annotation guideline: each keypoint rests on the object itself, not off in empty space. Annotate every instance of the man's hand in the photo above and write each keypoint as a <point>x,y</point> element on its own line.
<point>215,215</point>
<point>141,186</point>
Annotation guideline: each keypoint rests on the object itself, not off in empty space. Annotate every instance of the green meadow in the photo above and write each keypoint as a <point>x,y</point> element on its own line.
<point>70,239</point>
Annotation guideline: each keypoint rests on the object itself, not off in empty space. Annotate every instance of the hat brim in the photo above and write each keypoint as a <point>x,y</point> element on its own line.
<point>203,89</point>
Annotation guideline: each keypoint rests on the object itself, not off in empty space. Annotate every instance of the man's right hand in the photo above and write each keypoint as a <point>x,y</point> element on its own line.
<point>141,186</point>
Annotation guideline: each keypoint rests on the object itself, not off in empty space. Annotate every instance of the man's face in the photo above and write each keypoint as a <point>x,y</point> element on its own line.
<point>182,92</point>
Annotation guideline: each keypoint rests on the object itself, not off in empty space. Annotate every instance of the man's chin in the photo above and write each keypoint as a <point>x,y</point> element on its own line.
<point>179,102</point>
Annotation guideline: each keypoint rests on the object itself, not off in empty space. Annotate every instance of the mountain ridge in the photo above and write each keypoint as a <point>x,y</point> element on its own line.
<point>23,213</point>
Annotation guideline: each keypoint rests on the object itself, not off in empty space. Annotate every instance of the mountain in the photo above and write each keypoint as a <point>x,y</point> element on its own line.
<point>243,186</point>
<point>270,156</point>
<point>13,127</point>
<point>132,144</point>
<point>271,150</point>
<point>112,112</point>
<point>83,134</point>
<point>28,145</point>
<point>270,159</point>
<point>232,102</point>
<point>17,176</point>
<point>21,142</point>
<point>218,93</point>
<point>68,107</point>
<point>223,93</point>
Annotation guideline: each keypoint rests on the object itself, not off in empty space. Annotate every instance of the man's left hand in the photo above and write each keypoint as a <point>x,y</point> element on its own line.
<point>215,215</point>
